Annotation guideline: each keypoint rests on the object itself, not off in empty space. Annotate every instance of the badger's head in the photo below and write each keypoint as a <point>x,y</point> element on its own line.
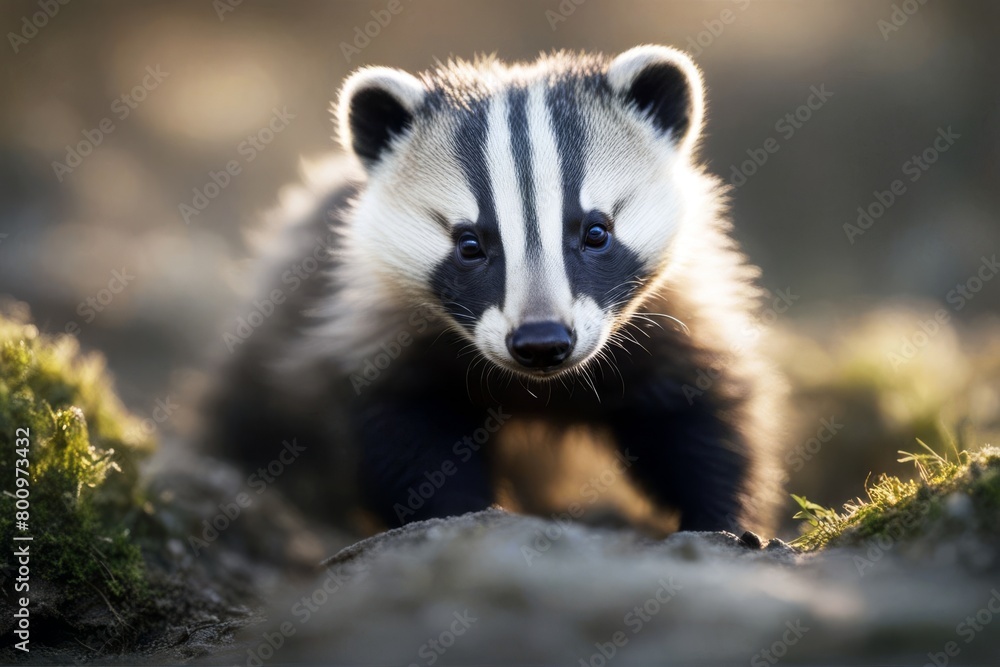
<point>533,203</point>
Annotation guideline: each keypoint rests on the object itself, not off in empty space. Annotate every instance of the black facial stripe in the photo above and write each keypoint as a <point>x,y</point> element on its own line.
<point>467,292</point>
<point>570,141</point>
<point>517,118</point>
<point>470,151</point>
<point>607,276</point>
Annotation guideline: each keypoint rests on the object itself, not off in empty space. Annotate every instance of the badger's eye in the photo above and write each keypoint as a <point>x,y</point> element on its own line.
<point>597,236</point>
<point>469,249</point>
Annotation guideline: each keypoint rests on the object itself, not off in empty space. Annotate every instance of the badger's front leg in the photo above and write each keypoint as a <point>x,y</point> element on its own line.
<point>416,462</point>
<point>686,457</point>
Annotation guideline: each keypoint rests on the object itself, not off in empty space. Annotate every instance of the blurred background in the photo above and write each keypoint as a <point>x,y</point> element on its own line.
<point>861,138</point>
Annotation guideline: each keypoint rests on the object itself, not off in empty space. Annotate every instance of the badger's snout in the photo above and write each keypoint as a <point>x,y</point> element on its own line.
<point>541,345</point>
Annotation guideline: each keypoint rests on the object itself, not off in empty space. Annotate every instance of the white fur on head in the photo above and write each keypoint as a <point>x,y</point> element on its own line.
<point>633,151</point>
<point>400,88</point>
<point>678,73</point>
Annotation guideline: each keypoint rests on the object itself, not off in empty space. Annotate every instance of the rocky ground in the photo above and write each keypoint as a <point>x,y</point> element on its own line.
<point>198,594</point>
<point>497,588</point>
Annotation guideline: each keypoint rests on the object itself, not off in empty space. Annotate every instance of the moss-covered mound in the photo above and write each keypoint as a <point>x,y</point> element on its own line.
<point>67,452</point>
<point>861,391</point>
<point>965,487</point>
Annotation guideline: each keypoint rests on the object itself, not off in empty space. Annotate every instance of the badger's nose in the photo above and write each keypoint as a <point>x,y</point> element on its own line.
<point>540,344</point>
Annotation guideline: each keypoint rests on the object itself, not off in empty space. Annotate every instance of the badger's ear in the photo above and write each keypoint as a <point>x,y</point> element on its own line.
<point>665,86</point>
<point>376,105</point>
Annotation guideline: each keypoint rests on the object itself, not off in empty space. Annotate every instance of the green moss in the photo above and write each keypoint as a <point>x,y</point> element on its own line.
<point>82,464</point>
<point>901,508</point>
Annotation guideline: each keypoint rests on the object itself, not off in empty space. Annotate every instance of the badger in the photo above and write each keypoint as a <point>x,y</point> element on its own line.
<point>530,248</point>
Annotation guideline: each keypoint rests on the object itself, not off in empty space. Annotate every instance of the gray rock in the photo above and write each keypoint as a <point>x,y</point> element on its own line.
<point>491,587</point>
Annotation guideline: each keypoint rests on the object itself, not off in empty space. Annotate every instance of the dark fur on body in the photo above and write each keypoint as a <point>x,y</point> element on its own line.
<point>679,388</point>
<point>696,416</point>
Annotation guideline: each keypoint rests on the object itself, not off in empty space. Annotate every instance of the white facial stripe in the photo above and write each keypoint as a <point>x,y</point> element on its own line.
<point>543,273</point>
<point>394,229</point>
<point>509,208</point>
<point>547,180</point>
<point>626,162</point>
<point>394,245</point>
<point>550,281</point>
<point>435,175</point>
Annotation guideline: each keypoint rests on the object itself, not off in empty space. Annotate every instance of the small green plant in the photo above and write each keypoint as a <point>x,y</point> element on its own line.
<point>82,465</point>
<point>905,508</point>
